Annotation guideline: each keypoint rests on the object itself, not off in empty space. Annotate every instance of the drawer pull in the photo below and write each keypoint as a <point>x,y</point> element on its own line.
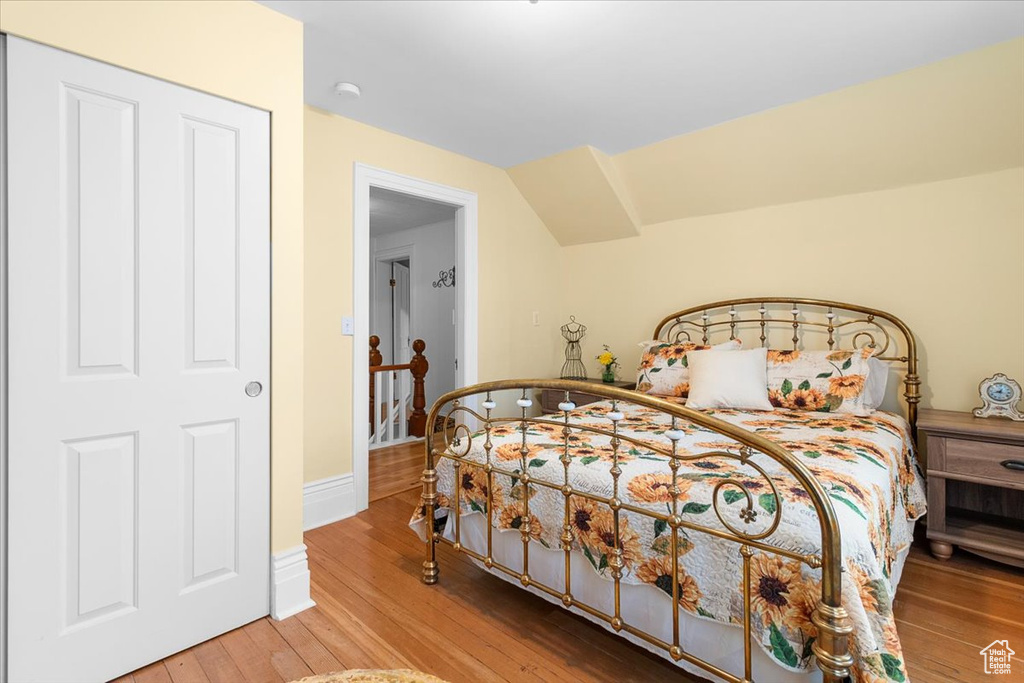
<point>1013,465</point>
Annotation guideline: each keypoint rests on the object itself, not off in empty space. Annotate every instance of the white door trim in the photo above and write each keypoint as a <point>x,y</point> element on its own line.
<point>366,177</point>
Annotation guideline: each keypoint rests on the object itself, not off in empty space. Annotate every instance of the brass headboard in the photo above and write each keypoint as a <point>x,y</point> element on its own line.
<point>838,324</point>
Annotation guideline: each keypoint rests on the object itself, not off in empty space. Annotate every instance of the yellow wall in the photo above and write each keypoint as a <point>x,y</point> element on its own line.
<point>923,167</point>
<point>945,257</point>
<point>937,243</point>
<point>245,52</point>
<point>519,265</point>
<point>907,192</point>
<point>957,117</point>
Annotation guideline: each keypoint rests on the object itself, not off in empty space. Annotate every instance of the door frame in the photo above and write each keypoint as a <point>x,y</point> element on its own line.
<point>466,259</point>
<point>389,256</point>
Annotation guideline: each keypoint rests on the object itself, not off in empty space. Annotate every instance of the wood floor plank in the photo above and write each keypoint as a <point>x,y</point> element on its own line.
<point>390,529</point>
<point>425,648</point>
<point>154,673</point>
<point>350,641</point>
<point>253,662</point>
<point>436,600</point>
<point>373,612</point>
<point>396,469</point>
<point>952,620</point>
<point>431,621</point>
<point>216,662</point>
<point>184,667</point>
<point>317,657</point>
<point>932,656</point>
<point>962,562</point>
<point>435,628</point>
<point>994,598</point>
<point>283,658</point>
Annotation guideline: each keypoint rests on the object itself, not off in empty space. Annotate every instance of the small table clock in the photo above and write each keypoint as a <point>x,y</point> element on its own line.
<point>999,398</point>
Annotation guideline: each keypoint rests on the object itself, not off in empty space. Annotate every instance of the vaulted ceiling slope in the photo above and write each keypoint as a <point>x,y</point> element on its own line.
<point>510,82</point>
<point>579,195</point>
<point>958,117</point>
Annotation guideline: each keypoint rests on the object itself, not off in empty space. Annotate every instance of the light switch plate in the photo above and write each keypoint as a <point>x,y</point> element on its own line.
<point>348,325</point>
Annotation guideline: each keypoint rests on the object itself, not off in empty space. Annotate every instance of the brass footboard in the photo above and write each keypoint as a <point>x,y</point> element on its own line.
<point>833,624</point>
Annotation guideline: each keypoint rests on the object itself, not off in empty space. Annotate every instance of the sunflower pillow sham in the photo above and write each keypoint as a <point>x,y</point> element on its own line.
<point>850,382</point>
<point>664,369</point>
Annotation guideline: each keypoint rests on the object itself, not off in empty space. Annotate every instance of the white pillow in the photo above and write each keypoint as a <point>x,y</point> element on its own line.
<point>738,379</point>
<point>874,385</point>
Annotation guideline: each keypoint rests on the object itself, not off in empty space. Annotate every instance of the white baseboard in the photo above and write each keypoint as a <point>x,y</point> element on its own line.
<point>289,583</point>
<point>328,500</point>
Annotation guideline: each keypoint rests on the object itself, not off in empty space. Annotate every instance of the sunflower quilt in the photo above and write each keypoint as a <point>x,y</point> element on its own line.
<point>865,464</point>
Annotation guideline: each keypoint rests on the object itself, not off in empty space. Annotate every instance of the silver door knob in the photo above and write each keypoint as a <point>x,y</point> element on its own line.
<point>253,389</point>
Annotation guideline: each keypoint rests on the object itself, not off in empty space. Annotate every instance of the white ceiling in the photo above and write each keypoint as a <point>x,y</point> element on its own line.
<point>393,211</point>
<point>508,82</point>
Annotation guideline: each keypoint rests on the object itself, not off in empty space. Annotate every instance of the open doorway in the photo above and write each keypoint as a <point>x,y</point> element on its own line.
<point>414,257</point>
<point>414,288</point>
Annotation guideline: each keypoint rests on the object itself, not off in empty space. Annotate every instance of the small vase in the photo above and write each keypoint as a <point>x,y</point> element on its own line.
<point>608,376</point>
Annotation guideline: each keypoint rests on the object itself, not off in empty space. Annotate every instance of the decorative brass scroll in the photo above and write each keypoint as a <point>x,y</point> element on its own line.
<point>858,325</point>
<point>843,325</point>
<point>831,646</point>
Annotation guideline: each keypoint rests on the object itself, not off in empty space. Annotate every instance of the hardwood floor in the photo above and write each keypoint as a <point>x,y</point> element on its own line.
<point>395,469</point>
<point>373,612</point>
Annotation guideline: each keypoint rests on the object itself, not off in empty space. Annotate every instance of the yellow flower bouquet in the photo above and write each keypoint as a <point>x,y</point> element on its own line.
<point>608,360</point>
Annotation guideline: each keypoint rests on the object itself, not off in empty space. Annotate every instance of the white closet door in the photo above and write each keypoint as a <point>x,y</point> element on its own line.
<point>138,313</point>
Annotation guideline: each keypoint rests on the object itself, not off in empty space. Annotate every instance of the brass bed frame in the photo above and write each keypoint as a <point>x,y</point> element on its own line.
<point>857,325</point>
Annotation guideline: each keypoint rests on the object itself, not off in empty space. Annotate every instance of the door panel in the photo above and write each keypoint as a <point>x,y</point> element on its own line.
<point>138,309</point>
<point>211,225</point>
<point>99,176</point>
<point>98,493</point>
<point>210,520</point>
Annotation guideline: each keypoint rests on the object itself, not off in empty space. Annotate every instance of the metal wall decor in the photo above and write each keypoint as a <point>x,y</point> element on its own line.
<point>445,278</point>
<point>573,367</point>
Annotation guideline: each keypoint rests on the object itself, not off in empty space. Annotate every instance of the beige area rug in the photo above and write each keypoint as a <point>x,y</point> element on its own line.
<point>373,676</point>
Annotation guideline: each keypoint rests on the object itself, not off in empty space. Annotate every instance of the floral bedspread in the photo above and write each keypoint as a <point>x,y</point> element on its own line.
<point>865,464</point>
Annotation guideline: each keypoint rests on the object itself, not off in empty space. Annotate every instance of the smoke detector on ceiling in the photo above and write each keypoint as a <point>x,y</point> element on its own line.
<point>349,90</point>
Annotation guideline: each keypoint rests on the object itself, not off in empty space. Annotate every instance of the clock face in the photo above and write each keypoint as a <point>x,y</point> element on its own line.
<point>999,391</point>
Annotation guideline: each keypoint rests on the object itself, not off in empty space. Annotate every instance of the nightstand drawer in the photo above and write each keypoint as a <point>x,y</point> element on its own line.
<point>984,459</point>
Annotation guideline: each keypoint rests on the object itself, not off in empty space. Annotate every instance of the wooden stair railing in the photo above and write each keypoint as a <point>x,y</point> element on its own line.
<point>417,367</point>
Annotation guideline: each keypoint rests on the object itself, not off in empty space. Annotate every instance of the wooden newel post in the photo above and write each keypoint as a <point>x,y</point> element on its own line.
<point>418,368</point>
<point>375,360</point>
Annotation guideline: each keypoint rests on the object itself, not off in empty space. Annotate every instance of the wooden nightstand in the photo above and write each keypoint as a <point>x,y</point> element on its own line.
<point>975,484</point>
<point>550,398</point>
